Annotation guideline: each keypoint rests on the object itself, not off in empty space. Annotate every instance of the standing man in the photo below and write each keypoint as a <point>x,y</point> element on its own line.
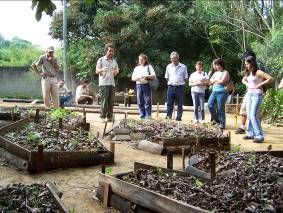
<point>49,71</point>
<point>176,76</point>
<point>107,69</point>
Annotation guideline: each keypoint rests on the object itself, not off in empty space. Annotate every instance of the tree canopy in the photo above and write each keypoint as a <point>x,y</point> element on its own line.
<point>197,29</point>
<point>17,52</point>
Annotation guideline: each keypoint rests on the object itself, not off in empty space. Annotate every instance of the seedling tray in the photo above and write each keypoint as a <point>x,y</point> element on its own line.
<point>39,159</point>
<point>38,197</point>
<point>128,197</point>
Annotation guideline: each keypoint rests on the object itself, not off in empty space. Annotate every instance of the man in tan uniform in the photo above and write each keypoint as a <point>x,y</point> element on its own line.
<point>49,71</point>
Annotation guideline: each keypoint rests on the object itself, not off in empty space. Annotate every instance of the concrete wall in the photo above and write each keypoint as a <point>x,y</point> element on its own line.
<point>20,82</point>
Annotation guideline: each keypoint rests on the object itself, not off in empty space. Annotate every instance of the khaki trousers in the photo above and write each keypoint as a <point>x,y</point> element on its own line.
<point>49,87</point>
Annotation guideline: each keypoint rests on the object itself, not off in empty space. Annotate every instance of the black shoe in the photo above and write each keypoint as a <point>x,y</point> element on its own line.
<point>168,118</point>
<point>258,140</point>
<point>178,119</point>
<point>246,137</point>
<point>240,131</point>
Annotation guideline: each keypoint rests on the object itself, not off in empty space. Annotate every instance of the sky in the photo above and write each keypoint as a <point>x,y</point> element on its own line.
<point>18,19</point>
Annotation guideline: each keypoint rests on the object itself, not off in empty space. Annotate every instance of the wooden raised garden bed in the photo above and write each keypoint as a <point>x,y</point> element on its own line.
<point>173,136</point>
<point>66,118</point>
<point>31,198</point>
<point>127,197</point>
<point>8,115</point>
<point>34,148</point>
<point>244,182</point>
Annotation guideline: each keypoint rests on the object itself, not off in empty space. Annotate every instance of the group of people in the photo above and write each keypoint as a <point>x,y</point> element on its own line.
<point>218,78</point>
<point>176,75</point>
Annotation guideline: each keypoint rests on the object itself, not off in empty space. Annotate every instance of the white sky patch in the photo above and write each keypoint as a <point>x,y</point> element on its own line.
<point>17,19</point>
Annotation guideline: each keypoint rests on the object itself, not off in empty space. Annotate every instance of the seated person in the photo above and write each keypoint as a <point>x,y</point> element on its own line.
<point>84,94</point>
<point>65,96</point>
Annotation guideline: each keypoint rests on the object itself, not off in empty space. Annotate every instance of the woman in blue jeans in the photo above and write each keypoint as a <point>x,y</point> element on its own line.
<point>198,81</point>
<point>254,80</point>
<point>219,94</point>
<point>142,73</point>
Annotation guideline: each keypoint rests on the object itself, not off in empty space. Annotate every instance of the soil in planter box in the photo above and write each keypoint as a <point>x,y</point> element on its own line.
<point>50,118</point>
<point>156,130</point>
<point>53,139</point>
<point>26,198</point>
<point>253,184</point>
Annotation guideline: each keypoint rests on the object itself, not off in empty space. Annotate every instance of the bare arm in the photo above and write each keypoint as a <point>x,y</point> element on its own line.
<point>267,77</point>
<point>225,78</point>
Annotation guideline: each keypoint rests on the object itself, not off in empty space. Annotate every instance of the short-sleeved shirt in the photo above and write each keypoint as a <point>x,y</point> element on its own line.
<point>176,75</point>
<point>81,91</point>
<point>63,91</point>
<point>47,66</point>
<point>141,71</point>
<point>197,77</point>
<point>107,78</point>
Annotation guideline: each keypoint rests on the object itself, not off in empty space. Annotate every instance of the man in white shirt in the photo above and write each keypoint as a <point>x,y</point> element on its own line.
<point>176,75</point>
<point>107,69</point>
<point>84,94</point>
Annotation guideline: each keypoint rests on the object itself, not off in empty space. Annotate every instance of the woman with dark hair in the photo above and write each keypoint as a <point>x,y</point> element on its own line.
<point>210,73</point>
<point>254,80</point>
<point>219,94</point>
<point>143,72</point>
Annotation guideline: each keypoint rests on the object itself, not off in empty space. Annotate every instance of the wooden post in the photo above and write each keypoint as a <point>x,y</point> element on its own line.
<point>103,168</point>
<point>104,130</point>
<point>39,158</point>
<point>212,164</point>
<point>60,123</point>
<point>126,117</point>
<point>113,120</point>
<point>106,193</point>
<point>84,116</point>
<point>183,158</point>
<point>112,147</point>
<point>169,159</point>
<point>36,118</point>
<point>157,109</point>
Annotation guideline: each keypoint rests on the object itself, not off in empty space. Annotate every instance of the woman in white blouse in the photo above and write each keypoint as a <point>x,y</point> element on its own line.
<point>143,72</point>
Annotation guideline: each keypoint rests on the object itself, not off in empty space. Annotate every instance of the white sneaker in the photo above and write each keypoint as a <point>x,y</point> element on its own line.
<point>103,120</point>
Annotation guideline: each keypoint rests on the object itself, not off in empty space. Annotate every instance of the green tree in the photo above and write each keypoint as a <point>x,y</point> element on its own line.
<point>17,52</point>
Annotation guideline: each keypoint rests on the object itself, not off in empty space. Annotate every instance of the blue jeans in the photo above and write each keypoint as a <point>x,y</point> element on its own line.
<point>198,101</point>
<point>253,103</point>
<point>175,94</point>
<point>65,100</point>
<point>144,100</point>
<point>219,98</point>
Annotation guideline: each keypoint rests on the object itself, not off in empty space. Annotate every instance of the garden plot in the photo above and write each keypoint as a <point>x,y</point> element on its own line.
<point>8,115</point>
<point>35,147</point>
<point>31,198</point>
<point>245,182</point>
<point>170,135</point>
<point>54,117</point>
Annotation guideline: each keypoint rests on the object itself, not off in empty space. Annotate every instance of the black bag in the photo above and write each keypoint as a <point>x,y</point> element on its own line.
<point>154,84</point>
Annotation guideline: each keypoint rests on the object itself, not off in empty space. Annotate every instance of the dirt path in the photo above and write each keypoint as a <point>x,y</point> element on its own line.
<point>78,184</point>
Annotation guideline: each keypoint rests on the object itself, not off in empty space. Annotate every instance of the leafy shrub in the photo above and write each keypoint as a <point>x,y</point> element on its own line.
<point>272,106</point>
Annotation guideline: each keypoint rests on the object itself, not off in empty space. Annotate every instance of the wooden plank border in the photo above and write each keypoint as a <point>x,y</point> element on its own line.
<point>145,197</point>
